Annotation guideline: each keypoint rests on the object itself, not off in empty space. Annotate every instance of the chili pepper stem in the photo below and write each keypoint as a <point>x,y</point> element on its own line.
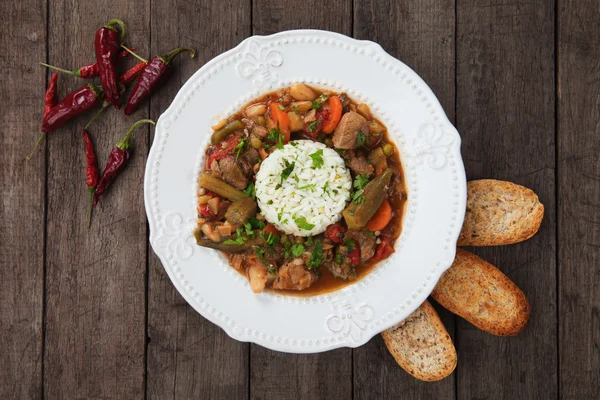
<point>90,210</point>
<point>125,143</point>
<point>166,58</point>
<point>66,71</point>
<point>105,105</point>
<point>134,54</point>
<point>115,21</point>
<point>36,146</point>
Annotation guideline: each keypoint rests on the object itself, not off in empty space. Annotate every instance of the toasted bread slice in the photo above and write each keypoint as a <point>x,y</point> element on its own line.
<point>499,213</point>
<point>480,293</point>
<point>421,345</point>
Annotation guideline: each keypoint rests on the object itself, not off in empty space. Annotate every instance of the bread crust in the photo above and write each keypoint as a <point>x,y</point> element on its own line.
<point>499,213</point>
<point>480,293</point>
<point>421,345</point>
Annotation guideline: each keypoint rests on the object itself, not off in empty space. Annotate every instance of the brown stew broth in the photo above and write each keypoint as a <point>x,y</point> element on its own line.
<point>397,197</point>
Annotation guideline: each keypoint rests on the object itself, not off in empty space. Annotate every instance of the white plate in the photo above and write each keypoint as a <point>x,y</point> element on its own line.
<point>430,154</point>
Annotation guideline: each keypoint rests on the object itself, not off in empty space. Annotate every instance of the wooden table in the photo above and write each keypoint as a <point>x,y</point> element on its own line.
<point>92,314</point>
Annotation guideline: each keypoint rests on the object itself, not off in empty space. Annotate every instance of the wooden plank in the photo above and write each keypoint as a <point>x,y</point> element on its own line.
<point>23,200</point>
<point>270,16</point>
<point>188,356</point>
<point>505,113</point>
<point>285,376</point>
<point>421,34</point>
<point>579,194</point>
<point>95,321</point>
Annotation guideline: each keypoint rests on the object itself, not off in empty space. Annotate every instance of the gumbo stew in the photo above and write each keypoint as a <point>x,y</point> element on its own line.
<point>302,190</point>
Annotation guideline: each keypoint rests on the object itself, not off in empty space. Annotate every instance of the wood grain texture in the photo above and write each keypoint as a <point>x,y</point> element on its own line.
<point>95,320</point>
<point>420,34</point>
<point>188,356</point>
<point>270,16</point>
<point>307,376</point>
<point>579,194</point>
<point>505,114</point>
<point>22,201</point>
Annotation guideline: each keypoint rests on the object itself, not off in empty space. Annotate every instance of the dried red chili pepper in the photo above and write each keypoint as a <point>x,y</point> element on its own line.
<point>88,71</point>
<point>154,73</point>
<point>72,105</point>
<point>92,174</point>
<point>107,45</point>
<point>50,98</point>
<point>117,160</point>
<point>128,76</point>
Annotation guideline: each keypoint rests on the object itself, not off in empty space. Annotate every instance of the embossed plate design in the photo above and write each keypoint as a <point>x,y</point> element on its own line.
<point>435,179</point>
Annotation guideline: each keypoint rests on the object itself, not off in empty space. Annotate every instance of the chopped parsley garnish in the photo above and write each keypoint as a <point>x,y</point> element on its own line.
<point>326,187</point>
<point>302,223</point>
<point>312,185</point>
<point>239,147</point>
<point>250,190</point>
<point>295,109</point>
<point>361,139</point>
<point>296,179</point>
<point>272,240</point>
<point>238,240</point>
<point>280,213</point>
<point>287,171</point>
<point>282,108</point>
<point>276,136</point>
<point>256,223</point>
<point>317,159</point>
<point>248,228</point>
<point>316,104</point>
<point>350,244</point>
<point>309,241</point>
<point>316,258</point>
<point>295,250</point>
<point>313,125</point>
<point>270,202</point>
<point>360,182</point>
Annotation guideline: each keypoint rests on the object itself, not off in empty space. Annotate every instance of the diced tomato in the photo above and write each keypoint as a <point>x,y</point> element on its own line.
<point>271,229</point>
<point>222,150</point>
<point>384,249</point>
<point>354,256</point>
<point>316,125</point>
<point>204,210</point>
<point>335,233</point>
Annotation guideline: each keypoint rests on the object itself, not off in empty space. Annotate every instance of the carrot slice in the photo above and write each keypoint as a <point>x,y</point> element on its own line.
<point>281,119</point>
<point>381,218</point>
<point>335,107</point>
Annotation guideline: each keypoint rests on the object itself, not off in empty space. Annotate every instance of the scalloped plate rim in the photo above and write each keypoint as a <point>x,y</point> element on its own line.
<point>153,231</point>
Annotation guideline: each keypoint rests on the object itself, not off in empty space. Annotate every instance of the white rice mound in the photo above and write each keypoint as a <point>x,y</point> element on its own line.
<point>317,194</point>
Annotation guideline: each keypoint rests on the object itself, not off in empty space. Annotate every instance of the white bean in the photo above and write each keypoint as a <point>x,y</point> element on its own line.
<point>257,276</point>
<point>255,110</point>
<point>300,91</point>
